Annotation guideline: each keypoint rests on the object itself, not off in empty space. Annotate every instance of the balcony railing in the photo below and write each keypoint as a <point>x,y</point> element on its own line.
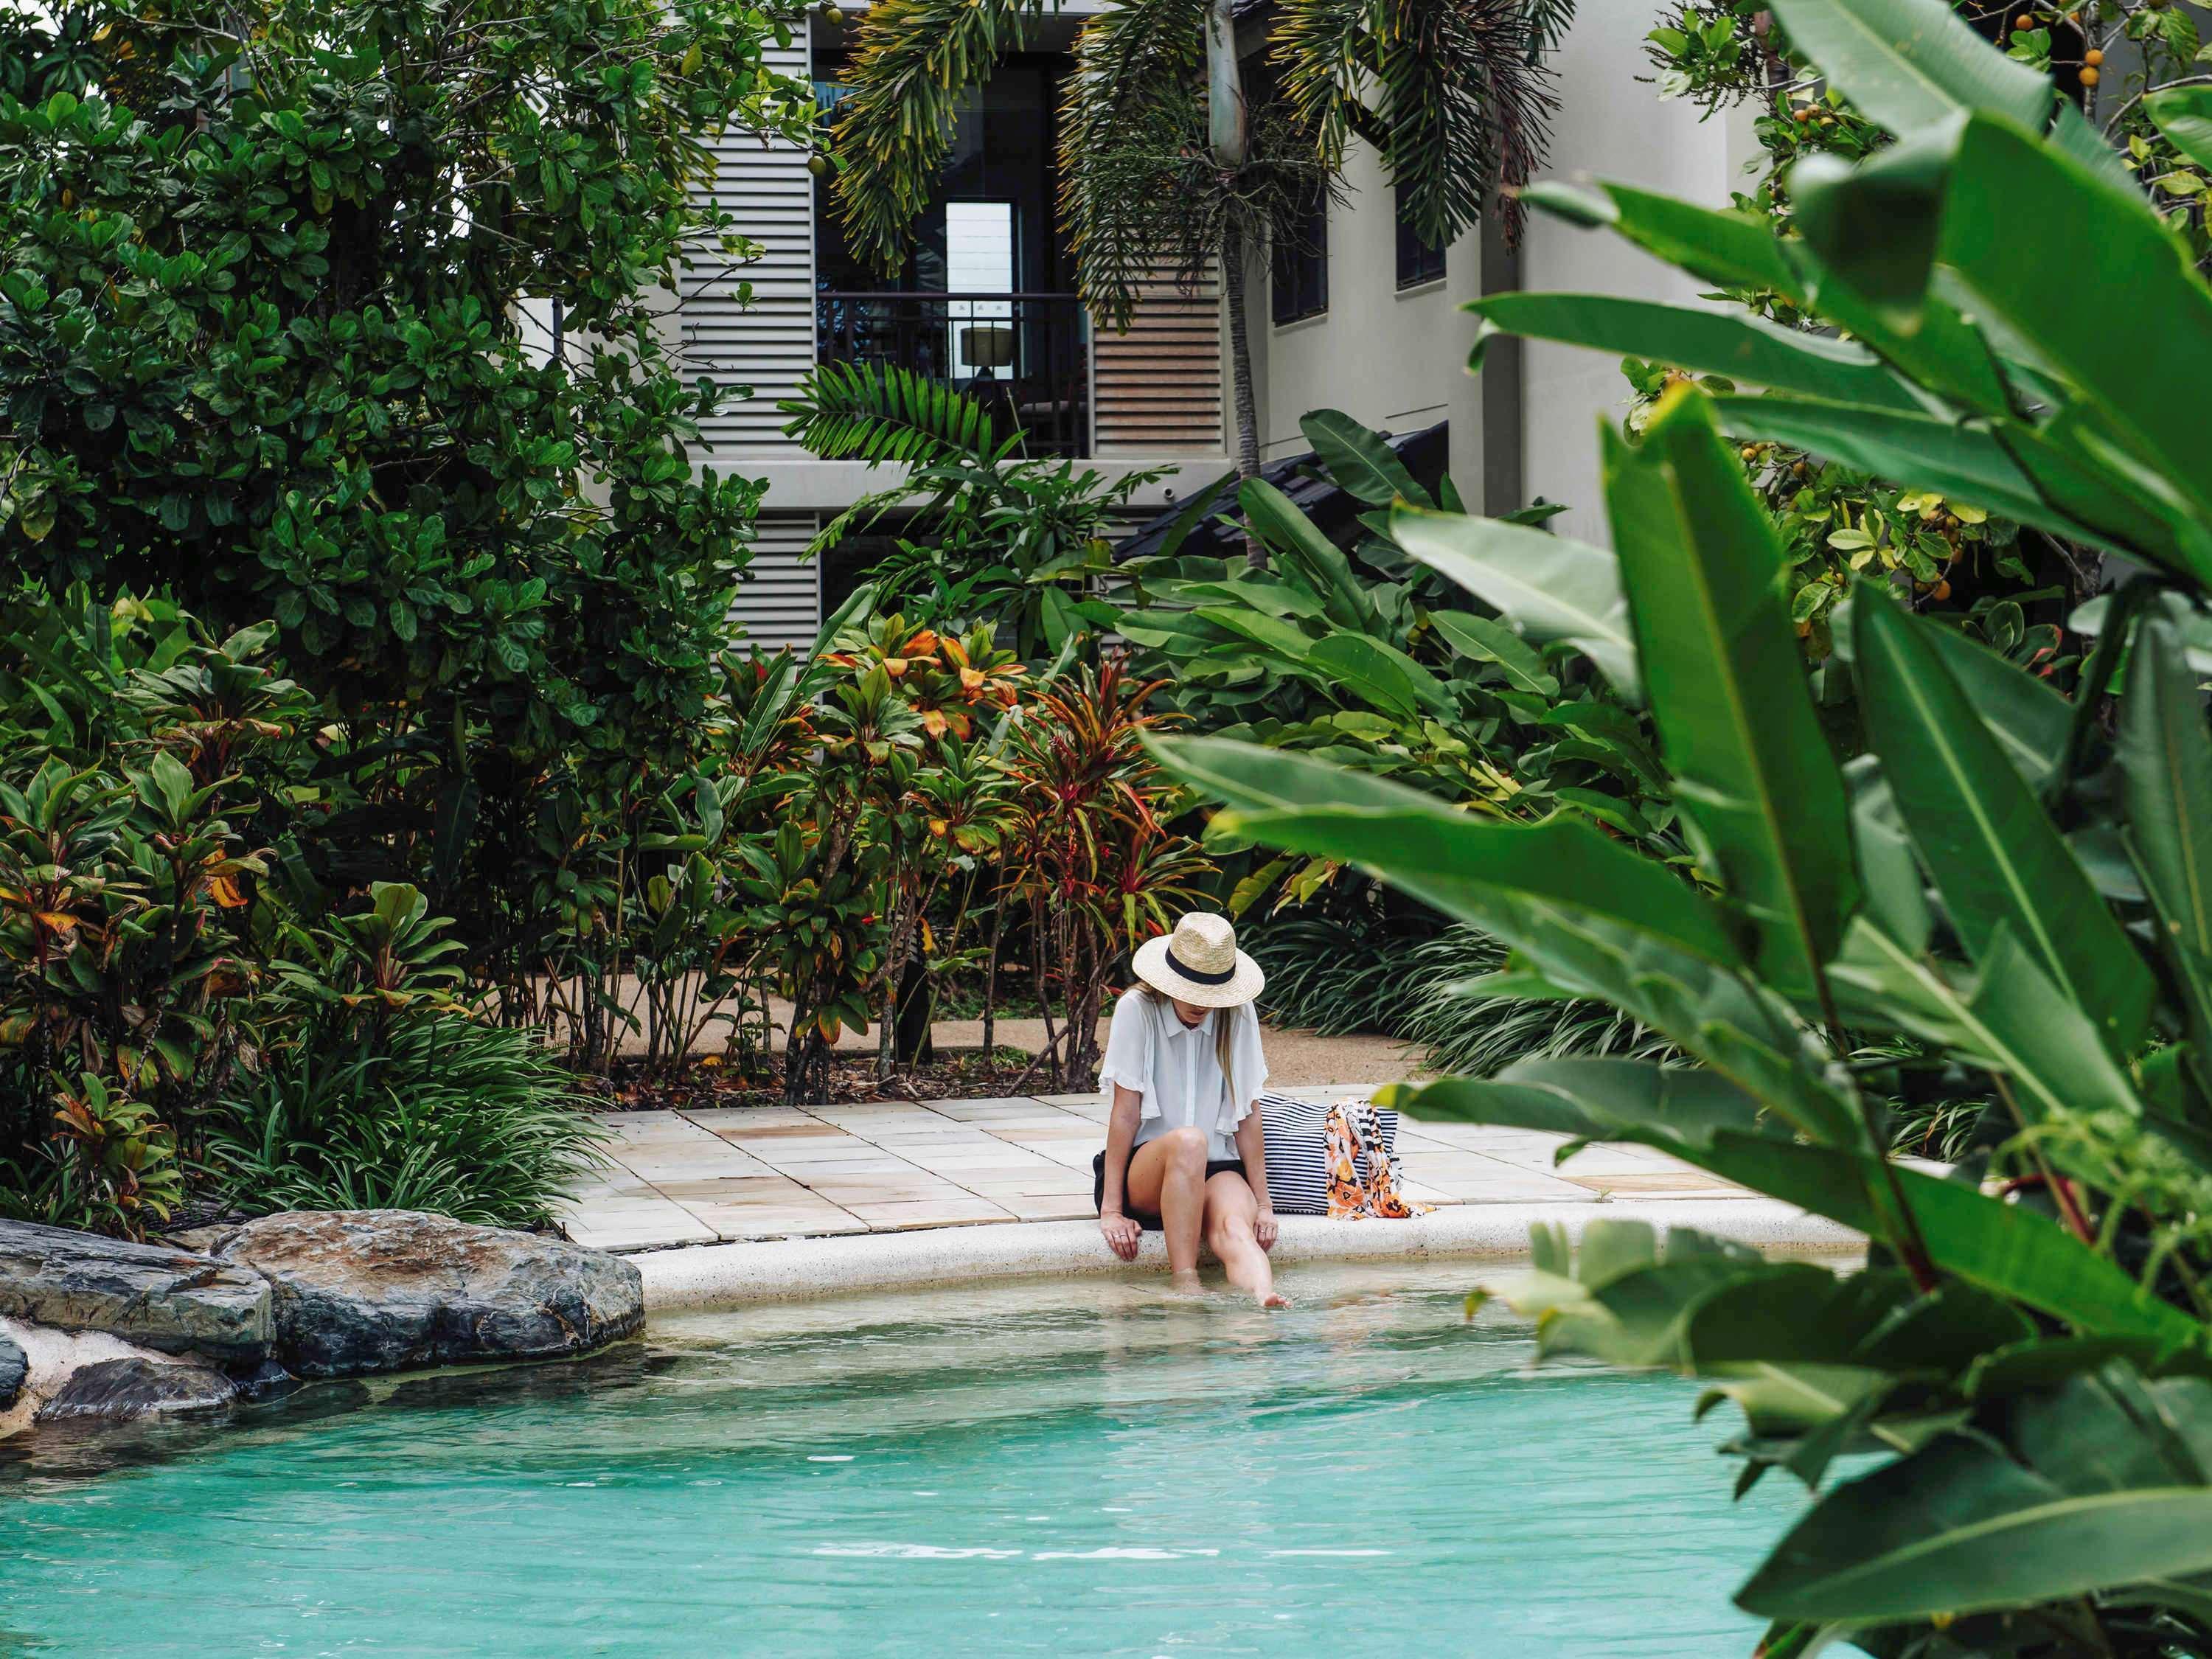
<point>1026,357</point>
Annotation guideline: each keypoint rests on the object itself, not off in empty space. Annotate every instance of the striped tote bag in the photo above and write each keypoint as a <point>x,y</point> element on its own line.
<point>1295,1134</point>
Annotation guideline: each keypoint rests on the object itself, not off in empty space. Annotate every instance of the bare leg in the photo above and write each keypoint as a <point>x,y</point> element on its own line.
<point>1230,1209</point>
<point>1167,1177</point>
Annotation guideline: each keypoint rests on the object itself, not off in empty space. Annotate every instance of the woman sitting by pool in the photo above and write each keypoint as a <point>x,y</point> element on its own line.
<point>1184,1153</point>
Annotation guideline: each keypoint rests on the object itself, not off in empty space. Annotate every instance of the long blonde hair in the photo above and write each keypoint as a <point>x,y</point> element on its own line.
<point>1224,1035</point>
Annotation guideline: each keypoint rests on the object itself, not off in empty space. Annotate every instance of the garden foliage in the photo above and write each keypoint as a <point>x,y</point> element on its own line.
<point>350,318</point>
<point>2007,877</point>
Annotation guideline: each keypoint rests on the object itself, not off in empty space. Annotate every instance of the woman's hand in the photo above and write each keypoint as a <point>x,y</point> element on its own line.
<point>1265,1229</point>
<point>1122,1235</point>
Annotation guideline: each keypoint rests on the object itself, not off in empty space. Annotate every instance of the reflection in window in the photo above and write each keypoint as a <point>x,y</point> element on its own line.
<point>1301,261</point>
<point>1418,262</point>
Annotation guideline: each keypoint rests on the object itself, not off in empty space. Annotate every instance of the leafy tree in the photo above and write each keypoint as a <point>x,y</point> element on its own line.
<point>1169,163</point>
<point>2111,58</point>
<point>265,277</point>
<point>2028,1352</point>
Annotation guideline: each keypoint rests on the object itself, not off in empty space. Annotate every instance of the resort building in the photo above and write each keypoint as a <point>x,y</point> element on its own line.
<point>1364,319</point>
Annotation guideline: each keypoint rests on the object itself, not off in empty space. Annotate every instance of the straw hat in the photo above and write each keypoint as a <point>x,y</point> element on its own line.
<point>1200,963</point>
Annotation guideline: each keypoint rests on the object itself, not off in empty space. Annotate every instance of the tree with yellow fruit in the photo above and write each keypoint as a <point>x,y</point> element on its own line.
<point>2012,590</point>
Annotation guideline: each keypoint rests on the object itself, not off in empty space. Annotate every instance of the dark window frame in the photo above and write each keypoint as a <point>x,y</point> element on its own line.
<point>1298,278</point>
<point>1418,263</point>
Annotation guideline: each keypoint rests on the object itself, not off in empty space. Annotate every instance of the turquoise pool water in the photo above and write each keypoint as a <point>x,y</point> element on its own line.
<point>1077,1469</point>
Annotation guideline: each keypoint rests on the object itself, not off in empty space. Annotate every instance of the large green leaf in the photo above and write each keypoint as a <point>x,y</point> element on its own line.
<point>1487,639</point>
<point>1961,1527</point>
<point>1183,632</point>
<point>1980,1238</point>
<point>1752,768</point>
<point>1995,856</point>
<point>1379,674</point>
<point>1277,521</point>
<point>1726,248</point>
<point>2028,718</point>
<point>1737,251</point>
<point>1925,452</point>
<point>1733,344</point>
<point>1911,63</point>
<point>2012,1020</point>
<point>1594,1099</point>
<point>1461,864</point>
<point>2166,757</point>
<point>1284,638</point>
<point>1999,1246</point>
<point>2145,365</point>
<point>1360,463</point>
<point>2184,114</point>
<point>1955,198</point>
<point>1677,1109</point>
<point>1547,587</point>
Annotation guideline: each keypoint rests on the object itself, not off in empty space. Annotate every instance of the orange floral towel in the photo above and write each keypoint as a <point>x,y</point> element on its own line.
<point>1351,1129</point>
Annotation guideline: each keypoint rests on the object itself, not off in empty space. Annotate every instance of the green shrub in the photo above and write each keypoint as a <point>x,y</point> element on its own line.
<point>1335,973</point>
<point>141,762</point>
<point>1471,1030</point>
<point>429,1110</point>
<point>379,1090</point>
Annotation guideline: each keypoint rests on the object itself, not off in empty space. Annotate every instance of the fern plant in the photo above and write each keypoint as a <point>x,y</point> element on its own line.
<point>994,535</point>
<point>876,412</point>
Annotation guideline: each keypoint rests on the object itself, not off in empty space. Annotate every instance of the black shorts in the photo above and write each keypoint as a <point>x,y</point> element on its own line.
<point>1145,1219</point>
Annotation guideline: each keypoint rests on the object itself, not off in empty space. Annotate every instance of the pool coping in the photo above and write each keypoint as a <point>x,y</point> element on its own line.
<point>706,1277</point>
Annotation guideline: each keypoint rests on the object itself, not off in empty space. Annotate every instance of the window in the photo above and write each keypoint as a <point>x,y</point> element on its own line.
<point>1301,262</point>
<point>1418,262</point>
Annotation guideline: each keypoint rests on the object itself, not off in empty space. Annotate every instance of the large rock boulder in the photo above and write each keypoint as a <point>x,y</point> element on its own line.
<point>359,1291</point>
<point>116,1390</point>
<point>157,1297</point>
<point>15,1366</point>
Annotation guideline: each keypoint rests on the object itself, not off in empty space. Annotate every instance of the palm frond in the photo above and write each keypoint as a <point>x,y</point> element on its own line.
<point>1133,118</point>
<point>892,131</point>
<point>1454,94</point>
<point>862,411</point>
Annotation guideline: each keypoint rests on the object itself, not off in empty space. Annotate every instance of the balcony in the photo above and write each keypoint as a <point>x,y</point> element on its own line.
<point>1026,357</point>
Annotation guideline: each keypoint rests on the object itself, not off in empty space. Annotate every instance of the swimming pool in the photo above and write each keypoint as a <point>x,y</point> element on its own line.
<point>1089,1468</point>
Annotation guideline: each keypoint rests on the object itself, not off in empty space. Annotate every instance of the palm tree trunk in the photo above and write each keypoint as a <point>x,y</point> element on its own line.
<point>1240,382</point>
<point>1228,130</point>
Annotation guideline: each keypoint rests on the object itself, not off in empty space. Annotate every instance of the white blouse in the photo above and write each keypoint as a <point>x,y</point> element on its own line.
<point>1176,1069</point>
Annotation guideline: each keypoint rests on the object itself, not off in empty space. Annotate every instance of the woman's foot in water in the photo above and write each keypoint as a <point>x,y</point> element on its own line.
<point>1271,1298</point>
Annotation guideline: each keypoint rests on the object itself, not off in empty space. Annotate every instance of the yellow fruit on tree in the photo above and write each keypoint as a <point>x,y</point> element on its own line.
<point>2088,77</point>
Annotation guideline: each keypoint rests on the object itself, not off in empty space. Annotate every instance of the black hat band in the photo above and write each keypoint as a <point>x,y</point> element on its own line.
<point>1198,977</point>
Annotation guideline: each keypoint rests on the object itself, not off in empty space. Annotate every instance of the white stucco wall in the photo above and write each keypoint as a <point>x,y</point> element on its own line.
<point>1385,357</point>
<point>1398,360</point>
<point>1609,126</point>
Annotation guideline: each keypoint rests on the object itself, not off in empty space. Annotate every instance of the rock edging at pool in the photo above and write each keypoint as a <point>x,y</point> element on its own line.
<point>363,1292</point>
<point>155,1295</point>
<point>95,1328</point>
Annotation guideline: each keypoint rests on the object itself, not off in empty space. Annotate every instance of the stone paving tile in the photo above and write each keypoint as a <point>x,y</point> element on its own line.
<point>1042,1184</point>
<point>710,1157</point>
<point>771,1172</point>
<point>1049,1207</point>
<point>1659,1183</point>
<point>1511,1187</point>
<point>966,1210</point>
<point>815,1222</point>
<point>714,1119</point>
<point>840,1169</point>
<point>632,1226</point>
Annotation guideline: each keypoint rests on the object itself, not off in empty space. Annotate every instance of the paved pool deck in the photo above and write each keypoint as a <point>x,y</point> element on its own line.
<point>748,1175</point>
